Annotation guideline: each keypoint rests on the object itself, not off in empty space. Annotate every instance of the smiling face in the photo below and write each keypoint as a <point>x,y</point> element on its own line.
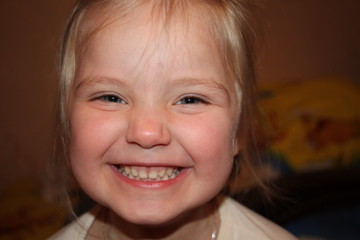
<point>152,119</point>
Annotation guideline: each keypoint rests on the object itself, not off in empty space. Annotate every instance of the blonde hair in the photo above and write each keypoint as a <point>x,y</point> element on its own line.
<point>230,21</point>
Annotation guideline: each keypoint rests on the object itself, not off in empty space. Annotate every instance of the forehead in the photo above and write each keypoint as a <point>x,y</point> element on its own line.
<point>148,38</point>
<point>152,19</point>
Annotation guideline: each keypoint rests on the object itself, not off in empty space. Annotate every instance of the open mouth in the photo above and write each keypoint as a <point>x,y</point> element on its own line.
<point>149,173</point>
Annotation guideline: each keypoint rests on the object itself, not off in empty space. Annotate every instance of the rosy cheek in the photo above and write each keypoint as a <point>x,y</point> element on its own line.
<point>92,133</point>
<point>222,132</point>
<point>212,139</point>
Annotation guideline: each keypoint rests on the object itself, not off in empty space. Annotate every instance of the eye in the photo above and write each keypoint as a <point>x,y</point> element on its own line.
<point>190,100</point>
<point>111,99</point>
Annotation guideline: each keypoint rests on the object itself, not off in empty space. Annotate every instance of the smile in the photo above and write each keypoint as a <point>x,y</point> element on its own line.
<point>149,173</point>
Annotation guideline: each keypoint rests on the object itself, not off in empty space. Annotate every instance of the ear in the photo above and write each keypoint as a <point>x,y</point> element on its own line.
<point>237,146</point>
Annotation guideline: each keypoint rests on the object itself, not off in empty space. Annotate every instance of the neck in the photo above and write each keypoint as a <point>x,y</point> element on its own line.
<point>200,224</point>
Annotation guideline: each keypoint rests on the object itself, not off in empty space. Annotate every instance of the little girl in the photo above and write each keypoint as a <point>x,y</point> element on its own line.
<point>155,110</point>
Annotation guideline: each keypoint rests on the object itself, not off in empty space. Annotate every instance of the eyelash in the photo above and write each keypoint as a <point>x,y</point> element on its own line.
<point>111,98</point>
<point>191,100</point>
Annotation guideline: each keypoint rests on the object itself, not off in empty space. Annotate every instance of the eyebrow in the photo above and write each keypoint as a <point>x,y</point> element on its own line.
<point>90,81</point>
<point>209,82</point>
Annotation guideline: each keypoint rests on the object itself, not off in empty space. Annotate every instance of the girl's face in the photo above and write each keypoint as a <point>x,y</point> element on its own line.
<point>152,119</point>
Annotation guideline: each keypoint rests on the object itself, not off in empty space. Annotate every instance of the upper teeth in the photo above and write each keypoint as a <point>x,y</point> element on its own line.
<point>149,174</point>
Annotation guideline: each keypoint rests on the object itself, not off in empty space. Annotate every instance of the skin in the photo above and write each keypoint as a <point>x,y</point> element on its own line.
<point>147,98</point>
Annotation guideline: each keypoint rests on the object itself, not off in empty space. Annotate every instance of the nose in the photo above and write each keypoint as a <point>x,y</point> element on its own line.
<point>147,130</point>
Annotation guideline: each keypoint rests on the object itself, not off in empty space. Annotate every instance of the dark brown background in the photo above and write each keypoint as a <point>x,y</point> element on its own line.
<point>306,39</point>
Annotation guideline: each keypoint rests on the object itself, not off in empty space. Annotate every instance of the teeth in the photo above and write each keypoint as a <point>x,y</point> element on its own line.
<point>162,173</point>
<point>169,172</point>
<point>134,172</point>
<point>149,174</point>
<point>153,175</point>
<point>143,174</point>
<point>127,170</point>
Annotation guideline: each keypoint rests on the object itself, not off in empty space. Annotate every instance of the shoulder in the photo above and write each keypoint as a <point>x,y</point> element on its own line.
<point>239,222</point>
<point>78,228</point>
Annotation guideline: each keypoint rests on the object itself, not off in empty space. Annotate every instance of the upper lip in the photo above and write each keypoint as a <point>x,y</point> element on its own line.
<point>148,164</point>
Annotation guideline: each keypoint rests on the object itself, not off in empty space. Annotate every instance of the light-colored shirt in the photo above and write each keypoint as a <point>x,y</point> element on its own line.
<point>236,223</point>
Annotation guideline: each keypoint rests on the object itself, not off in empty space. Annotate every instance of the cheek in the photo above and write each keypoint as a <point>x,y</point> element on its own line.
<point>91,135</point>
<point>214,135</point>
<point>211,145</point>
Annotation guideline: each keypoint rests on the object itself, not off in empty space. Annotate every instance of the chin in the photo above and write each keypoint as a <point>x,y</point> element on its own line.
<point>151,217</point>
<point>148,219</point>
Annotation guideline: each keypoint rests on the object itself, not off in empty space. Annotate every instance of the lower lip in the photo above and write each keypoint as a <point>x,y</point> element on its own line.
<point>150,184</point>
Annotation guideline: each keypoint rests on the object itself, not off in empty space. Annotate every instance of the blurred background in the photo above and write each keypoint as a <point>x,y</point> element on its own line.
<point>309,76</point>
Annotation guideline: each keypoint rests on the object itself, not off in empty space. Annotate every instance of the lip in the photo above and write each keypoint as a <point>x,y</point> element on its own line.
<point>150,184</point>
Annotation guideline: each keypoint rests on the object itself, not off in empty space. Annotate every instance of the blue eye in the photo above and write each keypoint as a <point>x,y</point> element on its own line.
<point>190,100</point>
<point>112,99</point>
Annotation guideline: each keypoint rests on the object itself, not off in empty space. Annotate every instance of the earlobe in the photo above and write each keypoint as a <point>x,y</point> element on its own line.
<point>236,147</point>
